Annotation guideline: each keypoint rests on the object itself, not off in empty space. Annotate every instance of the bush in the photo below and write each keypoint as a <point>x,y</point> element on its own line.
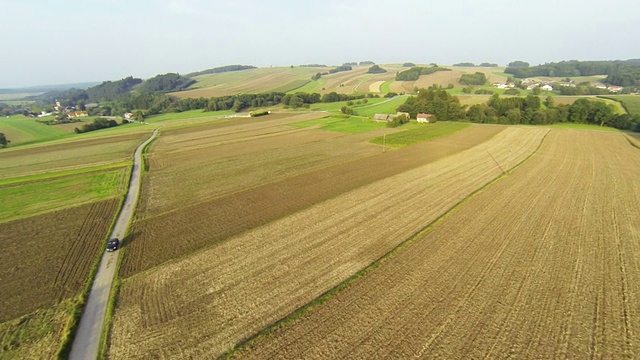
<point>484,92</point>
<point>512,92</point>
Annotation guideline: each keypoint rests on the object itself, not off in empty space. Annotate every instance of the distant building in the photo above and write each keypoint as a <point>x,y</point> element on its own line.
<point>424,118</point>
<point>546,87</point>
<point>404,113</point>
<point>614,88</point>
<point>128,115</point>
<point>74,114</point>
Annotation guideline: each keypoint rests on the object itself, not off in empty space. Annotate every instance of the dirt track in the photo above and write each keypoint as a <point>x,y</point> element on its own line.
<point>542,264</point>
<point>202,305</point>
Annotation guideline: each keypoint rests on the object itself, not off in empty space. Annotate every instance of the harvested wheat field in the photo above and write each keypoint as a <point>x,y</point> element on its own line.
<point>202,305</point>
<point>544,264</point>
<point>47,258</point>
<point>152,240</point>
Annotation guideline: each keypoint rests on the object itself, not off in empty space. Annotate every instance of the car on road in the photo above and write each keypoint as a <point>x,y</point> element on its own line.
<point>113,244</point>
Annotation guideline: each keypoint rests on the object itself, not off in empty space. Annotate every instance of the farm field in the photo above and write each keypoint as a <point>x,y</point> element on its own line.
<point>24,199</point>
<point>19,129</point>
<point>541,264</point>
<point>202,305</point>
<point>632,102</point>
<point>249,182</point>
<point>96,151</point>
<point>39,270</point>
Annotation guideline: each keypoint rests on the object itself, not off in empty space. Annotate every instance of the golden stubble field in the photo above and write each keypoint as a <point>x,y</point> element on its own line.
<point>544,264</point>
<point>202,305</point>
<point>248,174</point>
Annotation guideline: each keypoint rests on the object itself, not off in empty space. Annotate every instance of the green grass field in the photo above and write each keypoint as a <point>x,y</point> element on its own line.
<point>631,102</point>
<point>416,133</point>
<point>36,197</point>
<point>385,88</point>
<point>312,86</point>
<point>191,114</point>
<point>382,107</point>
<point>20,130</point>
<point>351,125</point>
<point>336,106</point>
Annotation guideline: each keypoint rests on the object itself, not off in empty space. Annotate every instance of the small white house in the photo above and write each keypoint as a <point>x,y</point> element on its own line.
<point>424,118</point>
<point>546,87</point>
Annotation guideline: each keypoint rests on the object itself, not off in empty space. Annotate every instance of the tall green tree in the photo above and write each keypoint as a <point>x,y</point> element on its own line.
<point>3,141</point>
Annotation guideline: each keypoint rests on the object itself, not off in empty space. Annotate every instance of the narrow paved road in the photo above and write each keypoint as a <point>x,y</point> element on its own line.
<point>87,341</point>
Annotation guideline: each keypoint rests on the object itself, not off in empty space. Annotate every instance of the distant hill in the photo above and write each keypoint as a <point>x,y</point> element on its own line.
<point>46,88</point>
<point>221,69</point>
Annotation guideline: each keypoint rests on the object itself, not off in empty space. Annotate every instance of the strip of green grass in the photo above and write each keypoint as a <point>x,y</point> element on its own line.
<point>336,106</point>
<point>191,114</point>
<point>292,86</point>
<point>26,199</point>
<point>57,174</point>
<point>416,133</point>
<point>351,125</point>
<point>385,88</point>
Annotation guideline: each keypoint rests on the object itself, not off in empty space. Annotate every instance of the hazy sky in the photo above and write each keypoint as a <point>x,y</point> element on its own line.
<point>68,41</point>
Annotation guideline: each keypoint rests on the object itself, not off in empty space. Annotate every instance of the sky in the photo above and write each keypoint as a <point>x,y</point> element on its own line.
<point>48,42</point>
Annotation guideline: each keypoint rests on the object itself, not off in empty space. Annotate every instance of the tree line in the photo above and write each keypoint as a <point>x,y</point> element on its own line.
<point>518,110</point>
<point>220,69</point>
<point>621,73</point>
<point>414,73</point>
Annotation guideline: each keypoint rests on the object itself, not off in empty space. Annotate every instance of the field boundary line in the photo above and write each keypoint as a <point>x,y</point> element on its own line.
<point>632,141</point>
<point>304,309</point>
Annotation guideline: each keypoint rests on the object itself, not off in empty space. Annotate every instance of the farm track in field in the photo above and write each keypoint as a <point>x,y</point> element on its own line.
<point>152,240</point>
<point>541,264</point>
<point>47,258</point>
<point>201,306</point>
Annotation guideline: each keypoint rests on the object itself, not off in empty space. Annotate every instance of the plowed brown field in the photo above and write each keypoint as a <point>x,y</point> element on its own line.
<point>542,264</point>
<point>47,258</point>
<point>252,181</point>
<point>203,305</point>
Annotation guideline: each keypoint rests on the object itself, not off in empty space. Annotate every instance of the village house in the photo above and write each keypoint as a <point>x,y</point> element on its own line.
<point>546,87</point>
<point>404,113</point>
<point>74,114</point>
<point>614,88</point>
<point>424,118</point>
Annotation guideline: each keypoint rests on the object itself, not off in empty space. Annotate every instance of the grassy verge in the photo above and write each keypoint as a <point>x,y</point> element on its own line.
<point>301,311</point>
<point>191,114</point>
<point>416,133</point>
<point>631,103</point>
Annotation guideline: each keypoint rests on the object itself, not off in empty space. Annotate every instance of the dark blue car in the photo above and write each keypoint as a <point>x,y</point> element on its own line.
<point>113,244</point>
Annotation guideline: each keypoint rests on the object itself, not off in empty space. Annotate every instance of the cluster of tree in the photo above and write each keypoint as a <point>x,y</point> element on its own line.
<point>112,90</point>
<point>622,72</point>
<point>365,63</point>
<point>340,68</point>
<point>8,110</point>
<point>347,110</point>
<point>624,76</point>
<point>437,102</point>
<point>3,141</point>
<point>352,63</point>
<point>398,121</point>
<point>166,83</point>
<point>470,64</point>
<point>530,110</point>
<point>375,69</point>
<point>473,79</point>
<point>221,69</point>
<point>312,65</point>
<point>97,124</point>
<point>414,73</point>
<point>317,76</point>
<point>408,64</point>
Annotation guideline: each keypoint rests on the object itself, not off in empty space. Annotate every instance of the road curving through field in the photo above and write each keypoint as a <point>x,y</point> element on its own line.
<point>87,340</point>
